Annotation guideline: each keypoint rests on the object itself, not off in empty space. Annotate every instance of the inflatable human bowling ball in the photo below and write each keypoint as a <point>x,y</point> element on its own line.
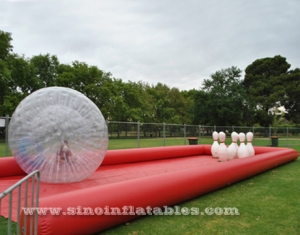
<point>59,132</point>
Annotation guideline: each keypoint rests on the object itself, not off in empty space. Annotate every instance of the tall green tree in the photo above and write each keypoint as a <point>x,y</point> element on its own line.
<point>20,81</point>
<point>45,67</point>
<point>146,102</point>
<point>182,103</point>
<point>189,97</point>
<point>23,79</point>
<point>5,44</point>
<point>78,76</point>
<point>17,81</point>
<point>163,112</point>
<point>292,103</point>
<point>137,100</point>
<point>222,100</point>
<point>5,76</point>
<point>4,80</point>
<point>107,96</point>
<point>265,81</point>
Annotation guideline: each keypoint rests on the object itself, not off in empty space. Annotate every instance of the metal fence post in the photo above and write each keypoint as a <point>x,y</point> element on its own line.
<point>199,134</point>
<point>107,122</point>
<point>138,133</point>
<point>6,134</point>
<point>270,133</point>
<point>164,133</point>
<point>184,133</point>
<point>287,136</point>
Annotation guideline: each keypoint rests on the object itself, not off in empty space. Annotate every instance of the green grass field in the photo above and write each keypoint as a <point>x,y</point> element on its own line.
<point>268,203</point>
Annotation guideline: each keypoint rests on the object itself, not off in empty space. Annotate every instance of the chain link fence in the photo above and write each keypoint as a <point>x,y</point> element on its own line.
<point>288,136</point>
<point>175,134</point>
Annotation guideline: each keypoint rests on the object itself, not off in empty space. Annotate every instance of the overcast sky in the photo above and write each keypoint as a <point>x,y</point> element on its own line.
<point>176,42</point>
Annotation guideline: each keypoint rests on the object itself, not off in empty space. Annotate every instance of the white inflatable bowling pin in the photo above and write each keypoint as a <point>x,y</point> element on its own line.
<point>215,145</point>
<point>249,137</point>
<point>233,147</point>
<point>243,150</point>
<point>222,150</point>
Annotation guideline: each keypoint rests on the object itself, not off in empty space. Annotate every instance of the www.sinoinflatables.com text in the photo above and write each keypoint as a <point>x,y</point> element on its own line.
<point>131,210</point>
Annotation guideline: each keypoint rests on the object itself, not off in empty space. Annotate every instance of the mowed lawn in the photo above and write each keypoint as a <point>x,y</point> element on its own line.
<point>268,203</point>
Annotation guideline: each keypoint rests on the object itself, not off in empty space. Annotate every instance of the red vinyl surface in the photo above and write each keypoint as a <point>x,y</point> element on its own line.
<point>145,177</point>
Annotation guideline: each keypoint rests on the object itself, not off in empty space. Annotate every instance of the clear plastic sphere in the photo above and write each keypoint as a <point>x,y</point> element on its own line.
<point>59,132</point>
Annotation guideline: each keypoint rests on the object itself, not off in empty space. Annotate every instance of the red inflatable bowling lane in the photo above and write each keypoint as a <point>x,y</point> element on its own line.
<point>131,183</point>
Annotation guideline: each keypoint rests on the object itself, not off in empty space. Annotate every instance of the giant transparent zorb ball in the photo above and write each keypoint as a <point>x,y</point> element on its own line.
<point>59,132</point>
